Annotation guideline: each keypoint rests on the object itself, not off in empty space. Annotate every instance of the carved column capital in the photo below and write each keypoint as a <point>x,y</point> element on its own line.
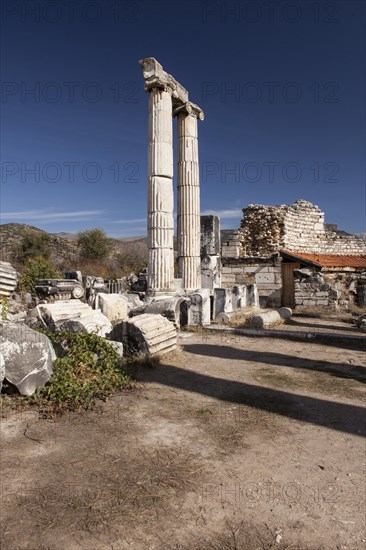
<point>189,109</point>
<point>156,77</point>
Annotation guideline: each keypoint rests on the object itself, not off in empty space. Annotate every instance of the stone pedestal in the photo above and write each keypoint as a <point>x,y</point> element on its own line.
<point>188,215</point>
<point>199,311</point>
<point>222,301</point>
<point>239,296</point>
<point>210,252</point>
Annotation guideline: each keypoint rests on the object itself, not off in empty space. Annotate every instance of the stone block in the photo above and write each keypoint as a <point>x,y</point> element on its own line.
<point>264,278</point>
<point>173,308</point>
<point>210,236</point>
<point>55,315</point>
<point>252,295</point>
<point>239,296</point>
<point>113,306</point>
<point>199,309</point>
<point>250,269</point>
<point>28,356</point>
<point>222,301</point>
<point>229,278</point>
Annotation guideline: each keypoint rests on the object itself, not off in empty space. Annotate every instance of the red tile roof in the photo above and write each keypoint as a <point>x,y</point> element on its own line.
<point>330,260</point>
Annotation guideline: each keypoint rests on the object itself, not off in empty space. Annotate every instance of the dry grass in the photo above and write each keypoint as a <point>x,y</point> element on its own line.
<point>240,535</point>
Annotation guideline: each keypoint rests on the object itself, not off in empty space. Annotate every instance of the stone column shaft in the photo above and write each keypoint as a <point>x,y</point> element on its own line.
<point>188,215</point>
<point>160,225</point>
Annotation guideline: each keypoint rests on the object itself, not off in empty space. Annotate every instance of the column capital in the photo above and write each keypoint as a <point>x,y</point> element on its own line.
<point>189,109</point>
<point>156,77</point>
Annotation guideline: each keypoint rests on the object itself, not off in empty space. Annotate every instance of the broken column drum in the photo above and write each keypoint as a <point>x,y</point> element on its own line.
<point>188,215</point>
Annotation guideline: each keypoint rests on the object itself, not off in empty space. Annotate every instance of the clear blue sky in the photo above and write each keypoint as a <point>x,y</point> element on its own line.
<point>282,85</point>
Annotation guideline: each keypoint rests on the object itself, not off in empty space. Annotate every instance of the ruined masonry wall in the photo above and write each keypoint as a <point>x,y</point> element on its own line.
<point>298,227</point>
<point>266,275</point>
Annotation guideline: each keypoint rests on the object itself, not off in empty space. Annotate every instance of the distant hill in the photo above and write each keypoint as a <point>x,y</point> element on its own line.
<point>11,235</point>
<point>64,248</point>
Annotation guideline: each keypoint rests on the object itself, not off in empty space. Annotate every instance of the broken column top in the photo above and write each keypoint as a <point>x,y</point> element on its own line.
<point>156,77</point>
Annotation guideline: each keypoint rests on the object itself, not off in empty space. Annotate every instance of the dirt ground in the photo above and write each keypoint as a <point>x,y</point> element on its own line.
<point>233,443</point>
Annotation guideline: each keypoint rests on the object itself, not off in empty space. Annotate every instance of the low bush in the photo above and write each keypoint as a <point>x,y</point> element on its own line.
<point>35,269</point>
<point>87,367</point>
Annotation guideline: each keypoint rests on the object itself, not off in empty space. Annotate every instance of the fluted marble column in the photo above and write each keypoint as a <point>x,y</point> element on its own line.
<point>188,215</point>
<point>160,224</point>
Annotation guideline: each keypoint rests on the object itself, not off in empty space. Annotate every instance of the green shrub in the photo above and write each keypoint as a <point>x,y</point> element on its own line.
<point>4,302</point>
<point>87,367</point>
<point>94,244</point>
<point>32,246</point>
<point>34,269</point>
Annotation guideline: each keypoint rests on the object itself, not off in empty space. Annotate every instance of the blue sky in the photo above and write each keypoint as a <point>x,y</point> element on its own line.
<point>282,85</point>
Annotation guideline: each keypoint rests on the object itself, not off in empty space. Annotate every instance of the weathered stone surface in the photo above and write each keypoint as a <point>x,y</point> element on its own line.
<point>211,272</point>
<point>118,346</point>
<point>73,326</point>
<point>224,317</point>
<point>133,300</point>
<point>2,370</point>
<point>299,227</point>
<point>239,296</point>
<point>113,306</point>
<point>28,356</point>
<point>210,236</point>
<point>199,310</point>
<point>284,312</point>
<point>160,225</point>
<point>252,296</point>
<point>8,279</point>
<point>168,98</point>
<point>188,208</point>
<point>173,308</point>
<point>148,334</point>
<point>210,252</point>
<point>55,315</point>
<point>265,319</point>
<point>222,301</point>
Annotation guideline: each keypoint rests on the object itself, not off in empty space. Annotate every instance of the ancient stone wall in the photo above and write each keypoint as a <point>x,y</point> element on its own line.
<point>297,227</point>
<point>337,290</point>
<point>264,272</point>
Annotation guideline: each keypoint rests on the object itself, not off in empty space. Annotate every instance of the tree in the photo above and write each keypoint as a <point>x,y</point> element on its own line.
<point>94,244</point>
<point>34,269</point>
<point>33,245</point>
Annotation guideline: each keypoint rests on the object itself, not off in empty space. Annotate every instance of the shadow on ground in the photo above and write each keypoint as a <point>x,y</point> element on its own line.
<point>337,416</point>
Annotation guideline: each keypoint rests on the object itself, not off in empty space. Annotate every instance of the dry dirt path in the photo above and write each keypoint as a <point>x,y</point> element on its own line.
<point>233,443</point>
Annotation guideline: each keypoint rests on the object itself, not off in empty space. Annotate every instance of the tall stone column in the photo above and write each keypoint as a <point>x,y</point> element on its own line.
<point>188,215</point>
<point>160,224</point>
